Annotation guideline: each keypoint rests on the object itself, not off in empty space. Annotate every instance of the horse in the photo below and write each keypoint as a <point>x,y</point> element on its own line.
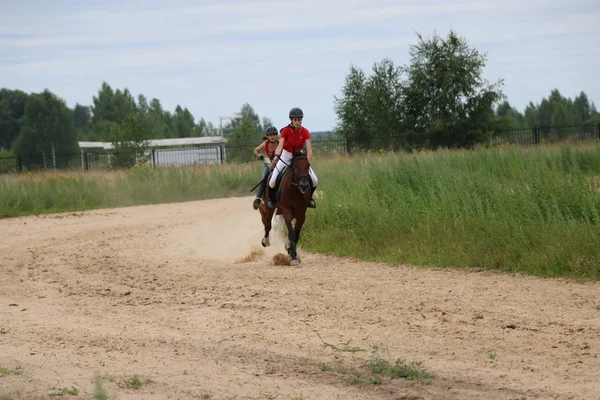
<point>292,203</point>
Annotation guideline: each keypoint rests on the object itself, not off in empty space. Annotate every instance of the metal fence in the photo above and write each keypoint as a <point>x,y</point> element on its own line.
<point>156,157</point>
<point>546,135</point>
<point>220,154</point>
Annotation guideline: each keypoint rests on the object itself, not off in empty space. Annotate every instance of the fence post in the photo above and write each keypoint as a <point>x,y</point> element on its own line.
<point>153,158</point>
<point>221,154</point>
<point>87,164</point>
<point>19,164</point>
<point>536,135</point>
<point>598,130</point>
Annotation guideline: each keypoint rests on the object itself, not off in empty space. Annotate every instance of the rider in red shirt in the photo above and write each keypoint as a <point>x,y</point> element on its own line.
<point>293,138</point>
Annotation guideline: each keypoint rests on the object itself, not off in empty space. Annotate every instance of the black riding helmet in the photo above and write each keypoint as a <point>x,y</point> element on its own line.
<point>296,113</point>
<point>271,130</point>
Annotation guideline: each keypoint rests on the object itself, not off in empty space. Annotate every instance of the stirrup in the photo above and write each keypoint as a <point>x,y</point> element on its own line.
<point>312,204</point>
<point>256,203</point>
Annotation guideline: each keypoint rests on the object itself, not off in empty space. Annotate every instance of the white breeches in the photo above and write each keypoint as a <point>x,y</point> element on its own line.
<point>286,158</point>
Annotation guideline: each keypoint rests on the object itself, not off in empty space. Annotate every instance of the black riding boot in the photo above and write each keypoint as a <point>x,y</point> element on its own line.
<point>272,197</point>
<point>259,195</point>
<point>311,203</point>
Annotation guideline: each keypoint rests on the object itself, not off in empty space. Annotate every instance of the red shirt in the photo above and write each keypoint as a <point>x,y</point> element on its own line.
<point>294,140</point>
<point>270,148</point>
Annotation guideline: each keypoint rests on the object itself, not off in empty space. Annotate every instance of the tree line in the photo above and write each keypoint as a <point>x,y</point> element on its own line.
<point>441,99</point>
<point>42,123</point>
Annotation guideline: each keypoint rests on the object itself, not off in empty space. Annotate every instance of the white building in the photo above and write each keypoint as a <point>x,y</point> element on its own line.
<point>169,152</point>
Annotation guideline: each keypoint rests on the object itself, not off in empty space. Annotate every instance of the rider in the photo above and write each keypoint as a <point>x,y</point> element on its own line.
<point>293,138</point>
<point>269,145</point>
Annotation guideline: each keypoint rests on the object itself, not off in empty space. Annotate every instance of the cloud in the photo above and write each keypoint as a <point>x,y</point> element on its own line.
<point>192,23</point>
<point>249,49</point>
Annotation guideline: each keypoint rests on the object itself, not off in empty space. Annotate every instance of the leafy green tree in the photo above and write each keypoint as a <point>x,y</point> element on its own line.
<point>447,100</point>
<point>12,109</point>
<point>183,123</point>
<point>131,142</point>
<point>82,118</point>
<point>244,134</point>
<point>582,108</point>
<point>351,109</point>
<point>439,99</point>
<point>383,102</point>
<point>155,119</point>
<point>509,117</point>
<point>47,130</point>
<point>104,108</point>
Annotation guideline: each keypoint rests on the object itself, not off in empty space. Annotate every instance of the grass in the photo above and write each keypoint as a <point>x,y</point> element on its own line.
<point>533,210</point>
<point>377,369</point>
<point>50,192</point>
<point>18,370</point>
<point>72,391</point>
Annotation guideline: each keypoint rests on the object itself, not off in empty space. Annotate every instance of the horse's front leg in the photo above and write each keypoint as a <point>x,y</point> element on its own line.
<point>287,217</point>
<point>298,226</point>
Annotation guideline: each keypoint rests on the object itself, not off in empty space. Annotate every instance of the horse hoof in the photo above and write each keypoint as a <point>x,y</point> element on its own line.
<point>265,242</point>
<point>294,262</point>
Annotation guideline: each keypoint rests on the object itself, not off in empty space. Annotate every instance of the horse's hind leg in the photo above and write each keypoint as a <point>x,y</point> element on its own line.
<point>266,215</point>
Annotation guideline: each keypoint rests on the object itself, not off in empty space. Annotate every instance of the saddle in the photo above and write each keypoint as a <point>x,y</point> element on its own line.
<point>278,183</point>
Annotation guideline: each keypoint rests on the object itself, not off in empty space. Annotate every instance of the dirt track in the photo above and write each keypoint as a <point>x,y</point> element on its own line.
<point>159,291</point>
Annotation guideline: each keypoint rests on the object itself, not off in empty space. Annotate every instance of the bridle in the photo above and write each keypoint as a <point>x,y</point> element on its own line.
<point>295,177</point>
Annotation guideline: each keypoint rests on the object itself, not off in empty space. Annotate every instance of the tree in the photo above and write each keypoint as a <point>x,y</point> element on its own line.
<point>582,108</point>
<point>47,130</point>
<point>446,97</point>
<point>183,123</point>
<point>439,99</point>
<point>130,143</point>
<point>243,134</point>
<point>384,94</point>
<point>104,108</point>
<point>12,109</point>
<point>82,118</point>
<point>112,107</point>
<point>155,120</point>
<point>351,110</point>
<point>509,117</point>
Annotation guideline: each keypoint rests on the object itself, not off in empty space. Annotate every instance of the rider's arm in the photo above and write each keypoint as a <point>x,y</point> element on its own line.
<point>279,149</point>
<point>259,148</point>
<point>309,152</point>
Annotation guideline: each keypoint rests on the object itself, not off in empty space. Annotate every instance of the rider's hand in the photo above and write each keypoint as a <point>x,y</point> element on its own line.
<point>261,157</point>
<point>275,159</point>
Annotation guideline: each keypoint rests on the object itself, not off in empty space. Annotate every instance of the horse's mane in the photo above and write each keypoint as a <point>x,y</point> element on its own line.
<point>299,154</point>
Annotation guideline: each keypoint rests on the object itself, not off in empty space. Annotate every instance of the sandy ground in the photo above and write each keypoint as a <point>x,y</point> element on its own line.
<point>160,292</point>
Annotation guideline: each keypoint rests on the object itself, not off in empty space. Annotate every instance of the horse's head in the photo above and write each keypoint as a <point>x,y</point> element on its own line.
<point>301,174</point>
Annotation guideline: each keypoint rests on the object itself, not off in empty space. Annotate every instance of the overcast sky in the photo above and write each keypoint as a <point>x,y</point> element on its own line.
<point>213,56</point>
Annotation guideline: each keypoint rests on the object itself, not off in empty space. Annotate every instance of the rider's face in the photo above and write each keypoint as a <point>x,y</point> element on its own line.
<point>271,138</point>
<point>296,122</point>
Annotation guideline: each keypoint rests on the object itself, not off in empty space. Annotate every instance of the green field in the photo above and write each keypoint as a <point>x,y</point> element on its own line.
<point>49,192</point>
<point>535,210</point>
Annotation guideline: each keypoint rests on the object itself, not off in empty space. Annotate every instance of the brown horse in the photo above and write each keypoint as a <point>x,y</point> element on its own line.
<point>292,204</point>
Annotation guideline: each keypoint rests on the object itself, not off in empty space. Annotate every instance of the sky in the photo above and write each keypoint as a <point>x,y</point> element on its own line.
<point>212,56</point>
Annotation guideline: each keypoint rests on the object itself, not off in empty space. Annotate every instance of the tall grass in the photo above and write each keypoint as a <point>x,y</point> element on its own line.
<point>48,192</point>
<point>515,209</point>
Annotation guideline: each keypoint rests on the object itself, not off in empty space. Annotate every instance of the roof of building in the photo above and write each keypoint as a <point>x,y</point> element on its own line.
<point>162,142</point>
